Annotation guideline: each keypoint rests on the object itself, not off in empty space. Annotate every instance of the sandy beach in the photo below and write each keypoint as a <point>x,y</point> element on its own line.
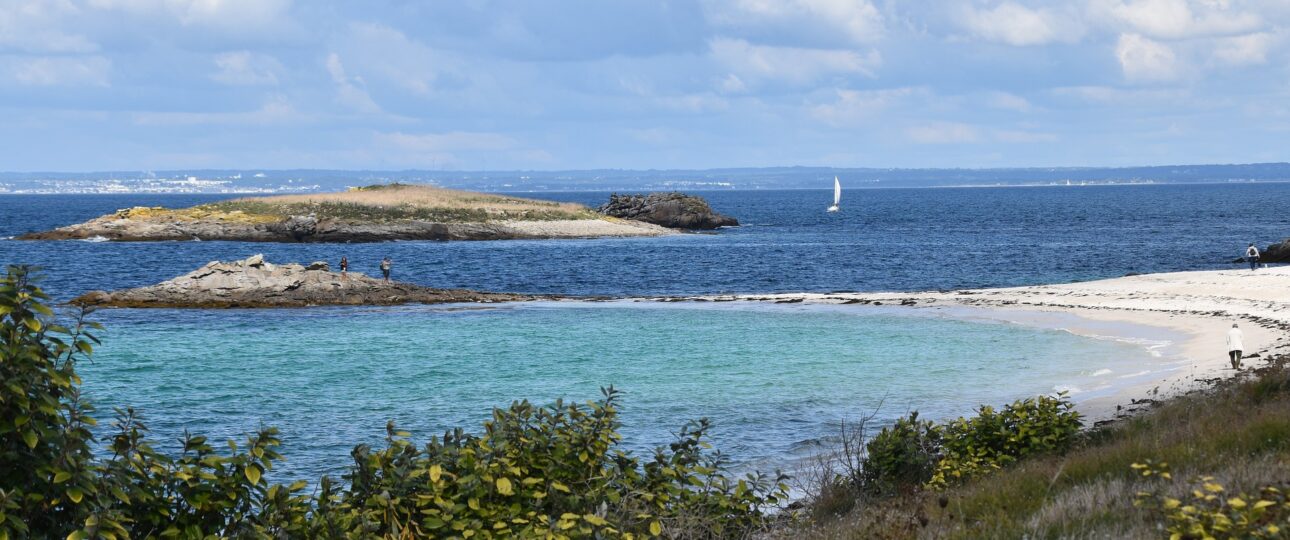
<point>1185,315</point>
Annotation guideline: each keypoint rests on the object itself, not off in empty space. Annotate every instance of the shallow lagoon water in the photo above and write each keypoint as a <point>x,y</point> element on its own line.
<point>776,380</point>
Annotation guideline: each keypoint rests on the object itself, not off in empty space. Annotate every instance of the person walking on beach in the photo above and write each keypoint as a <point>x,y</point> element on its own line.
<point>344,265</point>
<point>1234,346</point>
<point>385,268</point>
<point>1252,255</point>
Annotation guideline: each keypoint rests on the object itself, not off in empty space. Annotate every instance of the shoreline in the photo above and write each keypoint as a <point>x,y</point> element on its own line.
<point>1191,311</point>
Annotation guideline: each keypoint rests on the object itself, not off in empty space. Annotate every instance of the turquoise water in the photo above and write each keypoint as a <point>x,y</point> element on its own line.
<point>774,379</point>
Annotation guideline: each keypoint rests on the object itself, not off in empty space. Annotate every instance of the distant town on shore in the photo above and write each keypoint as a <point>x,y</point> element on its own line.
<point>312,180</point>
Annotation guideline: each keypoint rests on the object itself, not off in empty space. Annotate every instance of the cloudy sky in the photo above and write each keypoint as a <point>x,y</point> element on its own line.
<point>561,84</point>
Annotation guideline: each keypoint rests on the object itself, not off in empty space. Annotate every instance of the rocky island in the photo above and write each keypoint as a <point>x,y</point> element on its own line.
<point>673,210</point>
<point>366,214</point>
<point>256,283</point>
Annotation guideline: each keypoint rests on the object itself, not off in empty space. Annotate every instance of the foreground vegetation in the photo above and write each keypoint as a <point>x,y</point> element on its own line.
<point>1207,465</point>
<point>533,472</point>
<point>377,204</point>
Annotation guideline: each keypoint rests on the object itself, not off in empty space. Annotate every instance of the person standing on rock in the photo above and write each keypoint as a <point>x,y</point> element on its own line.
<point>385,268</point>
<point>1235,346</point>
<point>1252,255</point>
<point>344,265</point>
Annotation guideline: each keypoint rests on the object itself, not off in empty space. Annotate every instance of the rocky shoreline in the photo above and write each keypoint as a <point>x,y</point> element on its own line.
<point>256,283</point>
<point>124,227</point>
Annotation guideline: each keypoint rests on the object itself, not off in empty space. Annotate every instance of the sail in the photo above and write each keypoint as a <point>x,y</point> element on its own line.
<point>837,191</point>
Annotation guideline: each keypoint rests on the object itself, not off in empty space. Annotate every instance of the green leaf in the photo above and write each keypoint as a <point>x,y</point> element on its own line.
<point>655,528</point>
<point>78,534</point>
<point>504,487</point>
<point>75,494</point>
<point>62,476</point>
<point>253,474</point>
<point>30,438</point>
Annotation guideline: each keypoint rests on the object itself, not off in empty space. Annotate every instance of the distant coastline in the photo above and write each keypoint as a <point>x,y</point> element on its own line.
<point>231,181</point>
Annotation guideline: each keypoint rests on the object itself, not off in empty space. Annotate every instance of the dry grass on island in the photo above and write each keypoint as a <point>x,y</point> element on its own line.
<point>401,202</point>
<point>365,214</point>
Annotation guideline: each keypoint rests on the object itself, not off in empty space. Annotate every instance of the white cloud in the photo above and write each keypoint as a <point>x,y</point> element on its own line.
<point>1022,136</point>
<point>276,110</point>
<point>349,90</point>
<point>943,133</point>
<point>693,103</point>
<point>391,55</point>
<point>1018,25</point>
<point>789,64</point>
<point>732,84</point>
<point>1244,50</point>
<point>226,14</point>
<point>1009,102</point>
<point>453,141</point>
<point>1108,95</point>
<point>1142,59</point>
<point>1178,19</point>
<point>33,26</point>
<point>855,106</point>
<point>246,68</point>
<point>857,20</point>
<point>59,70</point>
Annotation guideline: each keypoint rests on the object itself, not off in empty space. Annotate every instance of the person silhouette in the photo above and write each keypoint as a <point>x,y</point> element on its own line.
<point>1252,255</point>
<point>1235,346</point>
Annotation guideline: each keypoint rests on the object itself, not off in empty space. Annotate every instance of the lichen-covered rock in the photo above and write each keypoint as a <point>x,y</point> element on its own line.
<point>255,283</point>
<point>673,210</point>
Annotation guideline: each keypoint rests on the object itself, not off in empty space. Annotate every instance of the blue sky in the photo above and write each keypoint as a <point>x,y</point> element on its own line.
<point>481,84</point>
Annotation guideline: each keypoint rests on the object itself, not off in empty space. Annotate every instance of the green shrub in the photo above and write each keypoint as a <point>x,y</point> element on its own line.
<point>548,472</point>
<point>902,455</point>
<point>915,452</point>
<point>990,440</point>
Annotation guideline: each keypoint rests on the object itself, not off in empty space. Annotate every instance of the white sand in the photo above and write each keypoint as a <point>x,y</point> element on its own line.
<point>1196,307</point>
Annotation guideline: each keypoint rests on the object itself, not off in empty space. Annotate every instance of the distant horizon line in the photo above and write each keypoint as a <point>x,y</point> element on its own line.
<point>652,170</point>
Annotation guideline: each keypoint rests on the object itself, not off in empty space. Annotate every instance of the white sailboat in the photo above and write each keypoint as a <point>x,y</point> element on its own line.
<point>837,194</point>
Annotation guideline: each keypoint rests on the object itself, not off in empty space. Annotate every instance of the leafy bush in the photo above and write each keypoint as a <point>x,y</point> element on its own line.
<point>990,440</point>
<point>1207,511</point>
<point>917,452</point>
<point>551,472</point>
<point>903,455</point>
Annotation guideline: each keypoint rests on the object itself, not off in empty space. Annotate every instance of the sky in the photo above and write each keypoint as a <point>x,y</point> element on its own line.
<point>653,84</point>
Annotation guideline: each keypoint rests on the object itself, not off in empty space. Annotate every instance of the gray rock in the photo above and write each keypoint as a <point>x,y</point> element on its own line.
<point>673,210</point>
<point>318,265</point>
<point>255,283</point>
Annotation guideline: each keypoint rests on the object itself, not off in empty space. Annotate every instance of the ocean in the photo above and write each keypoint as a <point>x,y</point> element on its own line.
<point>776,380</point>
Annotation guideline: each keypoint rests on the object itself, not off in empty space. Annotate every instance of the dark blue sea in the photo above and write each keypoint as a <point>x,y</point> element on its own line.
<point>776,380</point>
<point>889,239</point>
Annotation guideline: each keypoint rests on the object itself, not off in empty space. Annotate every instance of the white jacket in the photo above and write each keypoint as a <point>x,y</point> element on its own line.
<point>1234,340</point>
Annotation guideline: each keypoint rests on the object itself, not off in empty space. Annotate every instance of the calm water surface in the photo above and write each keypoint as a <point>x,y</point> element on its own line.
<point>774,379</point>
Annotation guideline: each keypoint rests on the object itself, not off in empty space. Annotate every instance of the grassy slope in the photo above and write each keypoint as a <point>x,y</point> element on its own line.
<point>1239,433</point>
<point>378,204</point>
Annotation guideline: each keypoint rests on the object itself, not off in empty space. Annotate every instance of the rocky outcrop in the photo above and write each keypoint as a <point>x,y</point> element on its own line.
<point>256,283</point>
<point>1277,253</point>
<point>673,210</point>
<point>132,225</point>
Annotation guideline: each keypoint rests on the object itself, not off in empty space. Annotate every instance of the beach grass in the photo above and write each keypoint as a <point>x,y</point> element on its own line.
<point>1238,434</point>
<point>386,203</point>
